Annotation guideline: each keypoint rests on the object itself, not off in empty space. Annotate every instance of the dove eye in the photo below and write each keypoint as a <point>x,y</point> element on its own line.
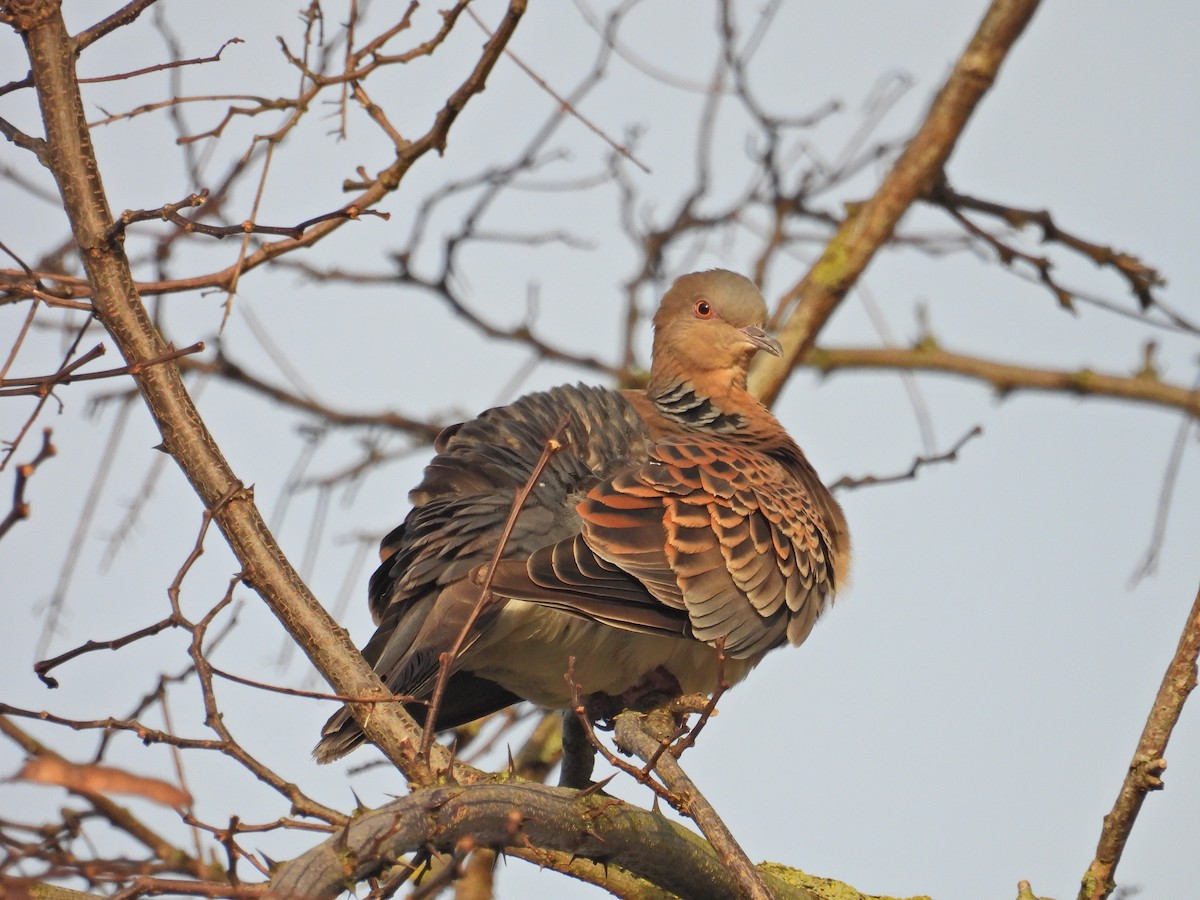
<point>703,309</point>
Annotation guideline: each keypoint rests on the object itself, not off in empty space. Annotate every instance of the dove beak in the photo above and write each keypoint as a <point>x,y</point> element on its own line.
<point>762,340</point>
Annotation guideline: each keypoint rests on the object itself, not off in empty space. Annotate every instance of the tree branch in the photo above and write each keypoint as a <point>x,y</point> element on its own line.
<point>1143,387</point>
<point>518,817</point>
<point>870,226</point>
<point>185,437</point>
<point>1148,763</point>
<point>646,737</point>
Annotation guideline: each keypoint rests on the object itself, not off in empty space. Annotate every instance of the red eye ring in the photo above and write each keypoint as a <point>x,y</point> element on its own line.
<point>703,309</point>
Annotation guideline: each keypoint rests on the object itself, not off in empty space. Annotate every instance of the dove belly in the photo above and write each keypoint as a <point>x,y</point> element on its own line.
<point>526,649</point>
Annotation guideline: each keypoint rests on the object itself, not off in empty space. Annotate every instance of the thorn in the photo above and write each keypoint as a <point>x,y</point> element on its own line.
<point>595,787</point>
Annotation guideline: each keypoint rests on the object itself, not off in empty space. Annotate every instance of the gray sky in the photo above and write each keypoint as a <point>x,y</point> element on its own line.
<point>961,720</point>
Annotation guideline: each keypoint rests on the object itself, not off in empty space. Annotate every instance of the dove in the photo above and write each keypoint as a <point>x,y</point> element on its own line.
<point>668,524</point>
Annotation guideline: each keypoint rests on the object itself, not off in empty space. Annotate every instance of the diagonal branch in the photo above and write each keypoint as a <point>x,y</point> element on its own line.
<point>646,737</point>
<point>869,227</point>
<point>1148,763</point>
<point>185,436</point>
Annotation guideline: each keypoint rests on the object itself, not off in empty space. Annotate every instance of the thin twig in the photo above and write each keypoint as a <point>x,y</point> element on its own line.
<point>43,667</point>
<point>640,774</point>
<point>311,695</point>
<point>446,661</point>
<point>1141,278</point>
<point>846,482</point>
<point>710,707</point>
<point>1149,563</point>
<point>42,398</point>
<point>562,101</point>
<point>20,506</point>
<point>160,67</point>
<point>40,385</point>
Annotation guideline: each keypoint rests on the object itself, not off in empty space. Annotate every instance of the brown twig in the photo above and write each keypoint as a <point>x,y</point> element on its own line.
<point>44,383</point>
<point>1148,762</point>
<point>846,482</point>
<point>640,774</point>
<point>42,398</point>
<point>224,367</point>
<point>1008,254</point>
<point>562,101</point>
<point>160,67</point>
<point>446,661</point>
<point>1149,563</point>
<point>1141,278</point>
<point>710,706</point>
<point>91,502</point>
<point>20,506</point>
<point>311,695</point>
<point>170,213</point>
<point>43,667</point>
<point>40,385</point>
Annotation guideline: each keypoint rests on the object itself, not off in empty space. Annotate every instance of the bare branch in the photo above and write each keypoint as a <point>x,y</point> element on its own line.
<point>647,737</point>
<point>163,66</point>
<point>920,462</point>
<point>1148,762</point>
<point>522,818</point>
<point>185,436</point>
<point>1142,279</point>
<point>1005,379</point>
<point>20,506</point>
<point>813,300</point>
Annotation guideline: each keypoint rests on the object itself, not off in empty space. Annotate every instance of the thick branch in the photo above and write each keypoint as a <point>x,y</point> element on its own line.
<point>517,816</point>
<point>869,227</point>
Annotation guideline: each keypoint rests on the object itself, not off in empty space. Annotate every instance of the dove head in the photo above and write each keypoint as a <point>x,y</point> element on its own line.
<point>706,331</point>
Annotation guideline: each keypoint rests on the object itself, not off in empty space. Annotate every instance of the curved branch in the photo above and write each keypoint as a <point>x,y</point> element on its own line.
<point>519,817</point>
<point>869,227</point>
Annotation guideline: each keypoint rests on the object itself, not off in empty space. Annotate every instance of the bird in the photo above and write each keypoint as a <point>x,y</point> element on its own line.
<point>670,526</point>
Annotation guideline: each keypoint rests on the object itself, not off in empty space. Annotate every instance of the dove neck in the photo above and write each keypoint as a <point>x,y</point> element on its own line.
<point>727,409</point>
